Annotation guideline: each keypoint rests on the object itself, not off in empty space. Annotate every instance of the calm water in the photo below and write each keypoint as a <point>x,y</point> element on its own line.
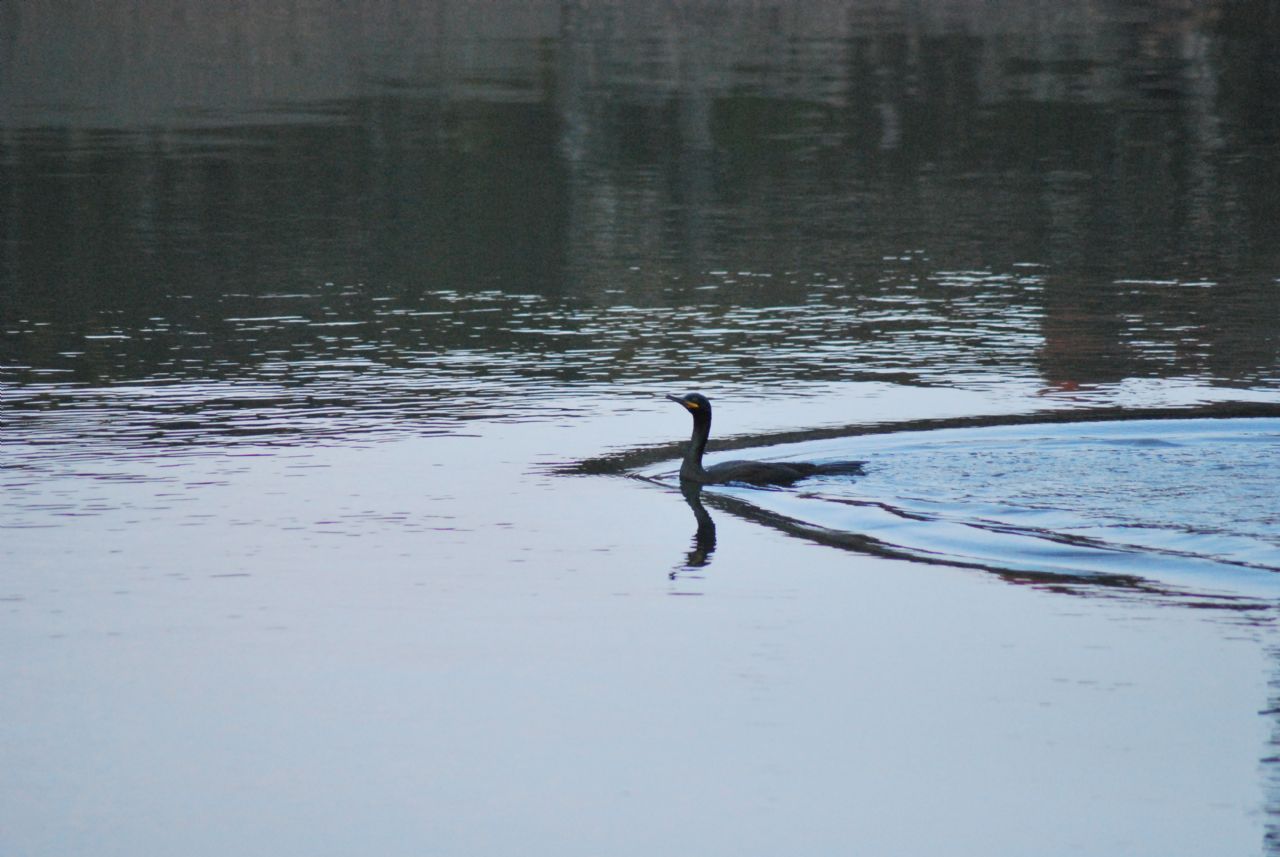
<point>329,336</point>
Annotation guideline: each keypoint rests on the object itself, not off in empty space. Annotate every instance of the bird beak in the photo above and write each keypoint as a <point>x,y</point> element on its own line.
<point>687,405</point>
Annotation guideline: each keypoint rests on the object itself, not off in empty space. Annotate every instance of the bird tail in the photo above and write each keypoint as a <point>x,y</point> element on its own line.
<point>841,468</point>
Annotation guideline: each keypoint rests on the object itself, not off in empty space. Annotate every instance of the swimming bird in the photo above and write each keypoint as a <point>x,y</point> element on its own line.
<point>748,472</point>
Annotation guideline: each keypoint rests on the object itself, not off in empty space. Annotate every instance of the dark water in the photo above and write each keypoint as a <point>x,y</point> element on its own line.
<point>475,201</point>
<point>312,318</point>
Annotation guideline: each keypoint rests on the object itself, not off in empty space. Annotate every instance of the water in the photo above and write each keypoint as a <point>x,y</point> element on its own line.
<point>329,338</point>
<point>1154,505</point>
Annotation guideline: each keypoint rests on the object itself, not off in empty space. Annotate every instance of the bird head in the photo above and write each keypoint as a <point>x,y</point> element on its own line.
<point>695,403</point>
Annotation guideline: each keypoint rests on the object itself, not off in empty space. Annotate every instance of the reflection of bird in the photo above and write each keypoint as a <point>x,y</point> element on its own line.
<point>704,540</point>
<point>749,472</point>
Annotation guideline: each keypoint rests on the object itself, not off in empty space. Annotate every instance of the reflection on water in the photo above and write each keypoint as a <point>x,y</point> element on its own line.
<point>704,539</point>
<point>472,201</point>
<point>239,244</point>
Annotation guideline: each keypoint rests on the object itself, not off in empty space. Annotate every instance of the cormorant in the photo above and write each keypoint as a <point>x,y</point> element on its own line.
<point>748,472</point>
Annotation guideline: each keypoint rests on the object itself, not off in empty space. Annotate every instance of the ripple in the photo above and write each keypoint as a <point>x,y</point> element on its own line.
<point>1182,504</point>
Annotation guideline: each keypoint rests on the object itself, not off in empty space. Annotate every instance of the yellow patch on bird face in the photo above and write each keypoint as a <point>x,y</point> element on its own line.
<point>693,406</point>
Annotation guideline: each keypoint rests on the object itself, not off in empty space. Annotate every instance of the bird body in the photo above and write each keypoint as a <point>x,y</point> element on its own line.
<point>742,471</point>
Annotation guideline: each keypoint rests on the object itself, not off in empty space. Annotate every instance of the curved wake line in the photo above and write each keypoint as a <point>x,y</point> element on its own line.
<point>1171,504</point>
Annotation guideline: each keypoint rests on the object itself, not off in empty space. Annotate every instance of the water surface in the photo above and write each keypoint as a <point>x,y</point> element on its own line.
<point>325,333</point>
<point>1178,504</point>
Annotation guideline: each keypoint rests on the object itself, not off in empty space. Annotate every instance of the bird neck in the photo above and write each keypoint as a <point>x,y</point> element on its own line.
<point>692,466</point>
